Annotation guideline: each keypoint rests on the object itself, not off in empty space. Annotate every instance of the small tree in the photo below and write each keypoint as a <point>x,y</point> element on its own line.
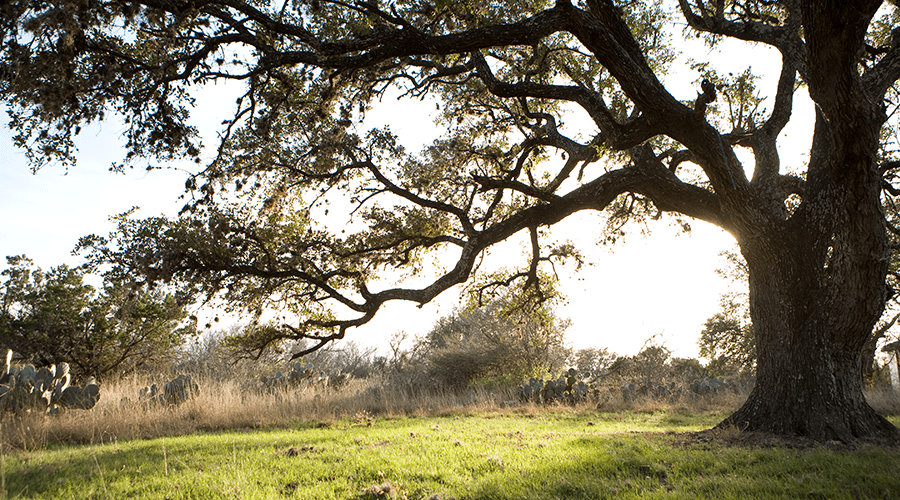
<point>594,360</point>
<point>650,363</point>
<point>51,317</point>
<point>727,340</point>
<point>493,343</point>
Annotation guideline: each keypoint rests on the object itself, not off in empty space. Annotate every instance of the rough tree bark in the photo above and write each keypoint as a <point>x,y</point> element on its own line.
<point>810,341</point>
<point>817,280</point>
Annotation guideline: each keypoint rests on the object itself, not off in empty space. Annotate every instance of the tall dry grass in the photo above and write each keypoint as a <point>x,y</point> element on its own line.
<point>224,404</point>
<point>885,400</point>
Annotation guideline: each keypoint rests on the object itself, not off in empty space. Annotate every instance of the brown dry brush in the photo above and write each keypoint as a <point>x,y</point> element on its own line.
<point>227,405</point>
<point>224,404</point>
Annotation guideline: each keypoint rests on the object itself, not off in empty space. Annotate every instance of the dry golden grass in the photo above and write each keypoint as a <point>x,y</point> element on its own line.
<point>712,403</point>
<point>885,401</point>
<point>225,405</point>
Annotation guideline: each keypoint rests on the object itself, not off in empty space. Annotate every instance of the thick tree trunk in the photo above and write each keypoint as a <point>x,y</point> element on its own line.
<point>808,369</point>
<point>810,352</point>
<point>817,277</point>
<point>817,289</point>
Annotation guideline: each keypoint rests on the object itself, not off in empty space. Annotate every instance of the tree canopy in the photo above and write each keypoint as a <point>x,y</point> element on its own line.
<point>502,76</point>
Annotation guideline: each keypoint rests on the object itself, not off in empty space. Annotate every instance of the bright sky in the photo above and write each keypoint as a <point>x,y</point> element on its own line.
<point>665,284</point>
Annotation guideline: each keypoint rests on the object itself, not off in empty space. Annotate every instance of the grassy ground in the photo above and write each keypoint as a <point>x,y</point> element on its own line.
<point>366,441</point>
<point>561,454</point>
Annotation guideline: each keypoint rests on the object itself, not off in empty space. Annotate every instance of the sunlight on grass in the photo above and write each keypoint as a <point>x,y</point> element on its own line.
<point>359,443</point>
<point>557,454</point>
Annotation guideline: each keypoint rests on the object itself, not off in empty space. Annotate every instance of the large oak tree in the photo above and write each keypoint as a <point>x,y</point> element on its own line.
<point>816,242</point>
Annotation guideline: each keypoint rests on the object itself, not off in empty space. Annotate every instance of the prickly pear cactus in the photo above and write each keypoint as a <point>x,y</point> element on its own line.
<point>567,389</point>
<point>338,379</point>
<point>298,375</point>
<point>173,393</point>
<point>47,389</point>
<point>180,390</point>
<point>82,398</point>
<point>148,394</point>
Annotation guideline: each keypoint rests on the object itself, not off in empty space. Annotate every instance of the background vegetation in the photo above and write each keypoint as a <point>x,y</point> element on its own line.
<point>474,360</point>
<point>50,317</point>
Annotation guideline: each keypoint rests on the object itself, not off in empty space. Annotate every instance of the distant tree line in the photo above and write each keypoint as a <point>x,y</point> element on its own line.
<point>47,317</point>
<point>486,347</point>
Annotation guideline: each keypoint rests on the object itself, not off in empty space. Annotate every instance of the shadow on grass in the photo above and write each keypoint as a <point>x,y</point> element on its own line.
<point>650,465</point>
<point>416,460</point>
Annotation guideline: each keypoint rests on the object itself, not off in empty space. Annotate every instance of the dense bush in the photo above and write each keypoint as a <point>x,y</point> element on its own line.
<point>54,316</point>
<point>491,346</point>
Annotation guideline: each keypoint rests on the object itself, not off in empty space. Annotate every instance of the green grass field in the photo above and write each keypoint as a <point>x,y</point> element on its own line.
<point>562,454</point>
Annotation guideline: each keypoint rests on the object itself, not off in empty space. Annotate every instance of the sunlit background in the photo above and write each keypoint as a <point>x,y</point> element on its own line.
<point>663,285</point>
